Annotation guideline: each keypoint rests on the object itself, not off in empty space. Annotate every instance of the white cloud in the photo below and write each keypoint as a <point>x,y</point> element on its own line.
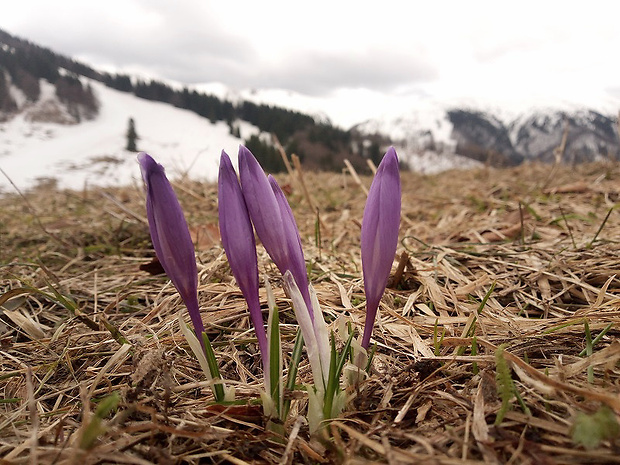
<point>475,49</point>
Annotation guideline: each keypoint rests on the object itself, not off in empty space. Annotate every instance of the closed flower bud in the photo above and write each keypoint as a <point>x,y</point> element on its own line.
<point>380,226</point>
<point>170,235</point>
<point>238,241</point>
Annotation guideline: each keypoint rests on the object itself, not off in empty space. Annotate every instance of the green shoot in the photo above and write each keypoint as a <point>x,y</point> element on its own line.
<point>95,427</point>
<point>206,358</point>
<point>472,328</point>
<point>332,381</point>
<point>335,371</point>
<point>371,354</point>
<point>474,352</point>
<point>600,227</point>
<point>590,430</point>
<point>570,231</point>
<point>275,362</point>
<point>317,232</point>
<point>218,389</point>
<point>292,370</point>
<point>590,370</point>
<point>505,385</point>
<point>437,341</point>
<point>597,339</point>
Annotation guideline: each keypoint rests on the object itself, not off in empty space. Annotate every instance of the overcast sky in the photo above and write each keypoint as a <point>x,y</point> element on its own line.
<point>475,49</point>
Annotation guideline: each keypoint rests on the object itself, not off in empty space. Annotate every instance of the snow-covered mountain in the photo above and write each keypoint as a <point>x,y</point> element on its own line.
<point>485,136</point>
<point>589,135</point>
<point>35,149</point>
<point>64,122</point>
<point>437,133</point>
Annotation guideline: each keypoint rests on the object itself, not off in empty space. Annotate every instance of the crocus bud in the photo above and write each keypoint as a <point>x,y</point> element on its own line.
<point>297,263</point>
<point>170,235</point>
<point>273,220</point>
<point>380,226</point>
<point>238,241</point>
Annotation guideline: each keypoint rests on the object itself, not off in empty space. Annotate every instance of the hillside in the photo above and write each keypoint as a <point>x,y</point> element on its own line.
<point>93,152</point>
<point>28,70</point>
<point>508,278</point>
<point>431,133</point>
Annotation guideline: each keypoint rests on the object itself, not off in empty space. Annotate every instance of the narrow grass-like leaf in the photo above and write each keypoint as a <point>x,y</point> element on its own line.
<point>597,338</point>
<point>337,365</point>
<point>317,232</point>
<point>504,381</point>
<point>344,355</point>
<point>275,366</point>
<point>95,427</point>
<point>436,340</point>
<point>371,355</point>
<point>486,297</point>
<point>11,400</point>
<point>218,389</point>
<point>600,227</point>
<point>474,352</point>
<point>472,328</point>
<point>580,321</point>
<point>292,370</point>
<point>570,231</point>
<point>589,350</point>
<point>332,381</point>
<point>521,402</point>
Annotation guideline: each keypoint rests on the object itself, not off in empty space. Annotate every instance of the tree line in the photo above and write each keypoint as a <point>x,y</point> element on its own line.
<point>27,63</point>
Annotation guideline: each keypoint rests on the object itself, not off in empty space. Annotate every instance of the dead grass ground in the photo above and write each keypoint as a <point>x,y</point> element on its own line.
<point>83,318</point>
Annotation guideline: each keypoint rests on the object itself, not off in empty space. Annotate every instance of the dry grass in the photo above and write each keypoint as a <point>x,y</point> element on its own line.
<point>80,320</point>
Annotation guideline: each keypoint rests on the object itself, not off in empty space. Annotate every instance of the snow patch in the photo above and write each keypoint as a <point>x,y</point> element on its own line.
<point>92,153</point>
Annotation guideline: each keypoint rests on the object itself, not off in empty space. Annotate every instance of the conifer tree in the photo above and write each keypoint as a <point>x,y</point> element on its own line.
<point>132,136</point>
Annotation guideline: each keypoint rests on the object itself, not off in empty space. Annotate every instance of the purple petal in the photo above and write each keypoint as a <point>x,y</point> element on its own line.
<point>273,220</point>
<point>297,262</point>
<point>170,235</point>
<point>263,207</point>
<point>238,241</point>
<point>380,226</point>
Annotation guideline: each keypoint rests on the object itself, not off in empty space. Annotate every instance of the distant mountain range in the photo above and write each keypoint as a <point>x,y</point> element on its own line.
<point>572,135</point>
<point>42,87</point>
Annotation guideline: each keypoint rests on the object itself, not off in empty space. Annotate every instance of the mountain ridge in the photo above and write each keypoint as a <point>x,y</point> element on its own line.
<point>432,135</point>
<point>314,140</point>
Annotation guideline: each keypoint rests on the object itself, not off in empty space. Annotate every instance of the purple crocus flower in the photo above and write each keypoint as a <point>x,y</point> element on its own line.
<point>380,226</point>
<point>273,220</point>
<point>238,241</point>
<point>170,235</point>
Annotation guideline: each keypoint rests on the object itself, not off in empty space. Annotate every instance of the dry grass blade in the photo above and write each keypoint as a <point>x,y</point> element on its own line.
<point>487,258</point>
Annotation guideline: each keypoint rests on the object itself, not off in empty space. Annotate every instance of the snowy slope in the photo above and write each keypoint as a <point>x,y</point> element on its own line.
<point>92,153</point>
<point>514,132</point>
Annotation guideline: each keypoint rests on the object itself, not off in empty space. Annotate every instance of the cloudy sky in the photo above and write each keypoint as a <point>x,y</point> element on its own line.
<point>378,53</point>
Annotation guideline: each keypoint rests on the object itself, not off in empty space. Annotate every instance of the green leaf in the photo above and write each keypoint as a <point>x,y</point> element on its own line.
<point>107,405</point>
<point>96,427</point>
<point>332,381</point>
<point>590,430</point>
<point>218,389</point>
<point>292,369</point>
<point>505,387</point>
<point>275,373</point>
<point>335,371</point>
<point>371,355</point>
<point>343,356</point>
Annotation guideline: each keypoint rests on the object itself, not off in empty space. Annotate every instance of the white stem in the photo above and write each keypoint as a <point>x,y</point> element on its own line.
<point>307,331</point>
<point>196,347</point>
<point>321,333</point>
